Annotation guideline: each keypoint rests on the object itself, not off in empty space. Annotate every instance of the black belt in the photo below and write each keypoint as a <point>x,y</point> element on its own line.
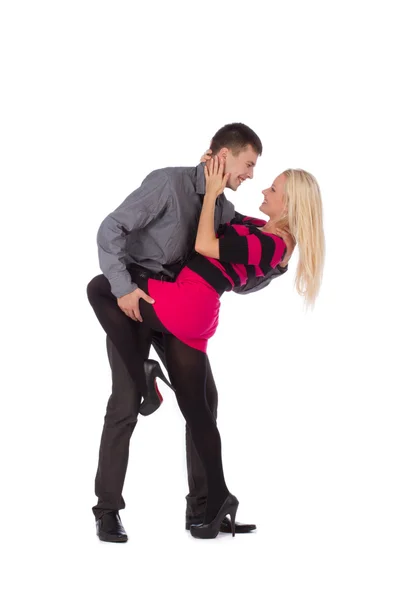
<point>168,274</point>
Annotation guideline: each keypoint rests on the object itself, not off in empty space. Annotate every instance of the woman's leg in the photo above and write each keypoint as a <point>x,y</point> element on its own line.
<point>196,499</point>
<point>187,368</point>
<point>130,338</point>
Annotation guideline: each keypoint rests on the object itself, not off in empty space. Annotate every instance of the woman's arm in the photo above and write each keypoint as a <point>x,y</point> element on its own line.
<point>207,242</point>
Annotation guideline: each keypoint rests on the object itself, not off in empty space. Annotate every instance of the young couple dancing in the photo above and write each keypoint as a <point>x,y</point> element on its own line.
<point>168,254</point>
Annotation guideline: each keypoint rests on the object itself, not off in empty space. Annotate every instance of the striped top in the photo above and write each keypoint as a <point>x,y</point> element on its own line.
<point>244,251</point>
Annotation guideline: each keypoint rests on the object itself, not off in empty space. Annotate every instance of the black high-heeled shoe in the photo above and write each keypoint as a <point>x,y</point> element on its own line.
<point>211,530</point>
<point>153,398</point>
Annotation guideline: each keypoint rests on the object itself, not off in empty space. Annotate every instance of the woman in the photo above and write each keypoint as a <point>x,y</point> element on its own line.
<point>186,310</point>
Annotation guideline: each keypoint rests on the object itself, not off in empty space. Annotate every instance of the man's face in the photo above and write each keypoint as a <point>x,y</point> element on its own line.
<point>240,166</point>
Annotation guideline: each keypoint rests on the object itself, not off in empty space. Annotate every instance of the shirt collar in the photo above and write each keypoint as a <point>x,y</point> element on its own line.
<point>200,179</point>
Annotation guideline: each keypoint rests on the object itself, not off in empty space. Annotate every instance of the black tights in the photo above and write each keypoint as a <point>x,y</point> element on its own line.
<point>187,368</point>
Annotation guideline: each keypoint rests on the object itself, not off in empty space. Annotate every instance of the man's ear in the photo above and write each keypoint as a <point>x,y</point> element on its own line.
<point>223,153</point>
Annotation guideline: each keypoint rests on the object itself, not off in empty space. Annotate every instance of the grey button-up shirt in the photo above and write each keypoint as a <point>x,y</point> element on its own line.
<point>157,225</point>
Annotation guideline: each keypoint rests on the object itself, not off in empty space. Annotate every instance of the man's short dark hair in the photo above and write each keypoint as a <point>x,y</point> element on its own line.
<point>236,137</point>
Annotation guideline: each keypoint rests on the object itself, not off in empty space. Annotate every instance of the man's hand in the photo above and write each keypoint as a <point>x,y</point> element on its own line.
<point>290,245</point>
<point>206,156</point>
<point>129,304</point>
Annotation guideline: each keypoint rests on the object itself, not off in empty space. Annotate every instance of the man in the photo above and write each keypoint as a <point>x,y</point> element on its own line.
<point>150,235</point>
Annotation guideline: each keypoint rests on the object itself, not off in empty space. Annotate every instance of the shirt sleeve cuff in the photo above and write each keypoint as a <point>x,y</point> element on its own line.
<point>121,287</point>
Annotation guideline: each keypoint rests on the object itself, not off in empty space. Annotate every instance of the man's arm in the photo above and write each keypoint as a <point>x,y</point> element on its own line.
<point>138,210</point>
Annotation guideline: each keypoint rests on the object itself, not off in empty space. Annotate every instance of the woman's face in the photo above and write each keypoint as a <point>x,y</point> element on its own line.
<point>273,204</point>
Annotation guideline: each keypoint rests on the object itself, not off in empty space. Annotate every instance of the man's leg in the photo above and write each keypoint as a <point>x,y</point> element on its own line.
<point>119,422</point>
<point>121,414</point>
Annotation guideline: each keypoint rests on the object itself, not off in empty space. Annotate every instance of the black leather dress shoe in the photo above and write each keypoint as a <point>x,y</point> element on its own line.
<point>225,525</point>
<point>109,528</point>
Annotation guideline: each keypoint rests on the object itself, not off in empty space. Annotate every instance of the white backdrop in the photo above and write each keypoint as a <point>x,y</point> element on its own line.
<point>95,96</point>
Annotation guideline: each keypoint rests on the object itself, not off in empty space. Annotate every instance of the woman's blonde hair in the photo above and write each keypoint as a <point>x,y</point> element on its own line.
<point>303,217</point>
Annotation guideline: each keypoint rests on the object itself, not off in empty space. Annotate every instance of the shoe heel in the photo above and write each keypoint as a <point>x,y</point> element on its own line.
<point>152,399</point>
<point>233,520</point>
<point>158,373</point>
